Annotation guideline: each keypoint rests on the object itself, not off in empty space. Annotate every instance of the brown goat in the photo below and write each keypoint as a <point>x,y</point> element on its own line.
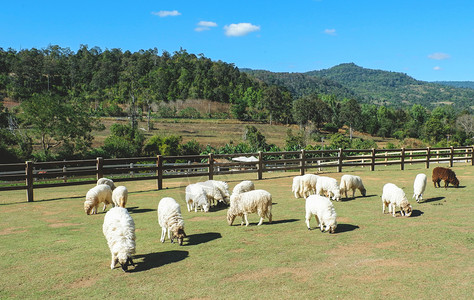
<point>448,175</point>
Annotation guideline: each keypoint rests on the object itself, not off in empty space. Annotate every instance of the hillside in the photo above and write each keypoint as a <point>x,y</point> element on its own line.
<point>398,89</point>
<point>458,84</point>
<point>300,84</point>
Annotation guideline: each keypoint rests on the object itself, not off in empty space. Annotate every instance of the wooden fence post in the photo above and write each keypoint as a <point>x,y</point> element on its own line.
<point>472,156</point>
<point>64,176</point>
<point>100,168</point>
<point>159,171</point>
<point>451,160</point>
<point>29,181</point>
<point>339,164</point>
<point>260,165</point>
<point>372,165</point>
<point>402,159</point>
<point>302,162</point>
<point>211,166</point>
<point>428,154</point>
<point>131,172</point>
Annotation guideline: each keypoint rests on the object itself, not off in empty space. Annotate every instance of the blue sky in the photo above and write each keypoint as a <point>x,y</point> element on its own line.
<point>428,40</point>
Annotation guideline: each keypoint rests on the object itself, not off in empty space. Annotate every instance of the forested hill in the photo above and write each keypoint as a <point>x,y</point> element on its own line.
<point>299,84</point>
<point>394,88</point>
<point>458,84</point>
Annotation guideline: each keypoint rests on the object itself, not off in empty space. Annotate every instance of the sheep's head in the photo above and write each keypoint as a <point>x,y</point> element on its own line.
<point>406,207</point>
<point>88,208</point>
<point>124,260</point>
<point>363,192</point>
<point>455,182</point>
<point>336,195</point>
<point>332,228</point>
<point>178,233</point>
<point>230,217</point>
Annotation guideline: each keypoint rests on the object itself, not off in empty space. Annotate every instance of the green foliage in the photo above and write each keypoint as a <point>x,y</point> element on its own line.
<point>165,145</point>
<point>255,138</point>
<point>295,142</point>
<point>331,127</point>
<point>190,113</point>
<point>124,141</point>
<point>339,141</point>
<point>311,109</point>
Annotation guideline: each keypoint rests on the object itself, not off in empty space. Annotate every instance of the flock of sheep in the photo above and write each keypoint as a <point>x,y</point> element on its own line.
<point>119,227</point>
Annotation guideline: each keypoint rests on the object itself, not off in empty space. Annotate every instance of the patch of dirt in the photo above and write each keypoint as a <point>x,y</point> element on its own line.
<point>386,245</point>
<point>83,283</point>
<point>298,274</point>
<point>238,250</point>
<point>199,219</point>
<point>13,230</point>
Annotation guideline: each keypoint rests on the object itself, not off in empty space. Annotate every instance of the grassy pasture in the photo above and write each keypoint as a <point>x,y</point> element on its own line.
<point>51,249</point>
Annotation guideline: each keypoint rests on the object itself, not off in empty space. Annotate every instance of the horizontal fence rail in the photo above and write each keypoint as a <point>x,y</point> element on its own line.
<point>33,175</point>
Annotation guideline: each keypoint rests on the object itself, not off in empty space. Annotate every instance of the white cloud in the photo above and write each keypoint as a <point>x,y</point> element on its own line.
<point>240,29</point>
<point>437,68</point>
<point>330,31</point>
<point>207,24</point>
<point>439,56</point>
<point>166,13</point>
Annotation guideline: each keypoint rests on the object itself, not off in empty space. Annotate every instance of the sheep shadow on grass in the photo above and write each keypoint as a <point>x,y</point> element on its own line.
<point>136,210</point>
<point>432,199</point>
<point>341,228</point>
<point>416,213</point>
<point>201,238</point>
<point>158,259</point>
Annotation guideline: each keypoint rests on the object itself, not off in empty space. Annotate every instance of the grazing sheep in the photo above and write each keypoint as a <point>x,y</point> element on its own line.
<point>308,184</point>
<point>448,175</point>
<point>243,187</point>
<point>106,181</point>
<point>223,187</point>
<point>196,197</point>
<point>119,230</point>
<point>170,220</point>
<point>99,193</point>
<point>120,196</point>
<point>213,193</point>
<point>351,182</point>
<point>296,187</point>
<point>324,212</point>
<point>393,196</point>
<point>419,187</point>
<point>258,201</point>
<point>328,185</point>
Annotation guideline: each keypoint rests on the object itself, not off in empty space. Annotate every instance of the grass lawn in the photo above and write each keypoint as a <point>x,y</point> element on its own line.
<point>51,249</point>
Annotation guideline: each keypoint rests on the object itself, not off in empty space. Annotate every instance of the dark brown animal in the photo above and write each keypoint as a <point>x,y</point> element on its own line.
<point>448,175</point>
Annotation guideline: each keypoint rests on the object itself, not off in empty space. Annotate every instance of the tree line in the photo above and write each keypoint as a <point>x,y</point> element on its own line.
<point>62,92</point>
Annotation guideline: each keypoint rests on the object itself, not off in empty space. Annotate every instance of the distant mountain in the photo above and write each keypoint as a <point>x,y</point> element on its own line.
<point>458,84</point>
<point>394,88</point>
<point>369,86</point>
<point>299,84</point>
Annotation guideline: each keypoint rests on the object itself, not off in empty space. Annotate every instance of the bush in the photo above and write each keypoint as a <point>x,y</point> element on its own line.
<point>190,113</point>
<point>331,127</point>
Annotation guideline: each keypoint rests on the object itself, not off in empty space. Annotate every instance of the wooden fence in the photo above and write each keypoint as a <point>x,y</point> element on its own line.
<point>34,175</point>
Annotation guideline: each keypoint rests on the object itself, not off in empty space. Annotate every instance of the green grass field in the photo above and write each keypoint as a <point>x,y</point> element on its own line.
<point>51,249</point>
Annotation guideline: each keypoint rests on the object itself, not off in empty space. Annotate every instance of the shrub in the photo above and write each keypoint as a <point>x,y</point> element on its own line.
<point>190,113</point>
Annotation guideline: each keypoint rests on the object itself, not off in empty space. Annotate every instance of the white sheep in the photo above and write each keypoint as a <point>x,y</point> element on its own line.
<point>120,196</point>
<point>296,187</point>
<point>308,184</point>
<point>99,193</point>
<point>351,182</point>
<point>106,181</point>
<point>223,187</point>
<point>419,187</point>
<point>243,187</point>
<point>328,185</point>
<point>323,211</point>
<point>213,193</point>
<point>258,201</point>
<point>119,230</point>
<point>196,197</point>
<point>393,196</point>
<point>171,220</point>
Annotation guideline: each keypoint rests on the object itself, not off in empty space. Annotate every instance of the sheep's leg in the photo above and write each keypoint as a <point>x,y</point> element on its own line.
<point>243,221</point>
<point>353,193</point>
<point>105,206</point>
<point>261,221</point>
<point>163,234</point>
<point>114,262</point>
<point>383,207</point>
<point>308,217</point>
<point>393,209</point>
<point>246,220</point>
<point>169,236</point>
